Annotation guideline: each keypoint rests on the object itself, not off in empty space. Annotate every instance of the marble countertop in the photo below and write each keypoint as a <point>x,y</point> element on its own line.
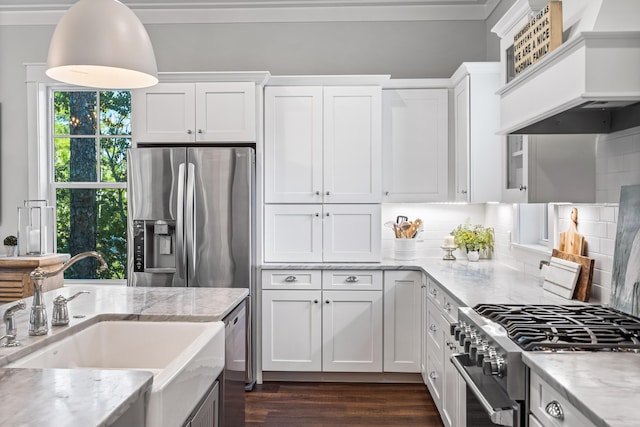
<point>33,396</point>
<point>603,386</point>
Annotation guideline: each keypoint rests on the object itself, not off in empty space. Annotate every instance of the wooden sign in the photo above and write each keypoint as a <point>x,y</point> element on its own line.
<point>538,37</point>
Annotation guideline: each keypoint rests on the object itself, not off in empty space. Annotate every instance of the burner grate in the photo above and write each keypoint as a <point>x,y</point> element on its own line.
<point>569,327</point>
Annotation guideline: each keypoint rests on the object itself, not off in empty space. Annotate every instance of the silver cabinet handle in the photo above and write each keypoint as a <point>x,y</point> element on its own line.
<point>554,410</point>
<point>291,279</point>
<point>328,214</point>
<point>423,286</point>
<point>328,193</point>
<point>463,191</point>
<point>433,375</point>
<point>352,279</point>
<point>523,187</point>
<point>433,328</point>
<point>386,193</point>
<point>448,306</point>
<point>433,292</point>
<point>189,131</point>
<point>317,193</point>
<point>200,131</point>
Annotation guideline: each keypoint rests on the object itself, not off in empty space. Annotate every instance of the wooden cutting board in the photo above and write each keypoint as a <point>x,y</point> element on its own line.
<point>583,286</point>
<point>561,277</point>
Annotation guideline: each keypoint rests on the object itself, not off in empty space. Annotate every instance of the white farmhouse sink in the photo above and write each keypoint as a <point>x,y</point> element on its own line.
<point>185,359</point>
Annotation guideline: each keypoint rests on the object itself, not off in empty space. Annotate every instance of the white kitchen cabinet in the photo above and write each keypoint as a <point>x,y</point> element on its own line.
<point>316,233</point>
<point>423,329</point>
<point>546,402</point>
<point>447,388</point>
<point>352,331</point>
<point>415,145</point>
<point>292,330</point>
<point>402,304</point>
<point>549,168</point>
<point>194,112</point>
<point>323,144</point>
<point>476,110</point>
<point>315,330</point>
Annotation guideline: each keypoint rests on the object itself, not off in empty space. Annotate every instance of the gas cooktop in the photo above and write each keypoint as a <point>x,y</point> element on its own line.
<point>566,327</point>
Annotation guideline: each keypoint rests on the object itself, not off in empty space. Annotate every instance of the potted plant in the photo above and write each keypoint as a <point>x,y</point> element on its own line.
<point>11,245</point>
<point>473,239</point>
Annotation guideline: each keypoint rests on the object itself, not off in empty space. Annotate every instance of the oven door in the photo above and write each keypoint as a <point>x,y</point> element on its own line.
<point>487,401</point>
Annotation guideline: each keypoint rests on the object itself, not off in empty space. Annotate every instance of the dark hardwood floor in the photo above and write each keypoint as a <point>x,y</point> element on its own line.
<point>289,404</point>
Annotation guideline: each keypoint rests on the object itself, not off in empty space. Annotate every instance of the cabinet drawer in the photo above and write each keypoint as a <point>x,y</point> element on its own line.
<point>443,301</point>
<point>291,279</point>
<point>352,280</point>
<point>434,377</point>
<point>543,395</point>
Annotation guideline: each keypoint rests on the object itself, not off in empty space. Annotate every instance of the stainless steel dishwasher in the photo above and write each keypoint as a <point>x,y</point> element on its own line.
<point>235,369</point>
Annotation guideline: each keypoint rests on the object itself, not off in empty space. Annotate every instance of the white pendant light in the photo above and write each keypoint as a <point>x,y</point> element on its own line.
<point>102,44</point>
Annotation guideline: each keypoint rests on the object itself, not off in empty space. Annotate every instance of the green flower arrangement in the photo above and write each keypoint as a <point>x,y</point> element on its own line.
<point>473,237</point>
<point>11,241</point>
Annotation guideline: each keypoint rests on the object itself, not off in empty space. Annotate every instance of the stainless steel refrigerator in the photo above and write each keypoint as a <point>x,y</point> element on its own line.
<point>191,220</point>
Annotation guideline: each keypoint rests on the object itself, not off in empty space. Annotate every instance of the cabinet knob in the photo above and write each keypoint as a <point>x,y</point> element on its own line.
<point>386,193</point>
<point>317,193</point>
<point>463,191</point>
<point>291,279</point>
<point>448,306</point>
<point>554,410</point>
<point>433,328</point>
<point>328,193</point>
<point>315,301</point>
<point>200,131</point>
<point>523,187</point>
<point>433,375</point>
<point>327,302</point>
<point>189,131</point>
<point>317,214</point>
<point>433,292</point>
<point>328,214</point>
<point>352,279</point>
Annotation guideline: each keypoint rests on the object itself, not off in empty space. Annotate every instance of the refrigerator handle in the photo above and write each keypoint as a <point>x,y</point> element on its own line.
<point>191,232</point>
<point>180,249</point>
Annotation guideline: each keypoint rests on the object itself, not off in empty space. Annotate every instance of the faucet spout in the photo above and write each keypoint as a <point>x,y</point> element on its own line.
<point>38,324</point>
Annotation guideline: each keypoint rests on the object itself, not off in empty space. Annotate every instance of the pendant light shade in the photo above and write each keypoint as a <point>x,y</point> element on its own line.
<point>102,44</point>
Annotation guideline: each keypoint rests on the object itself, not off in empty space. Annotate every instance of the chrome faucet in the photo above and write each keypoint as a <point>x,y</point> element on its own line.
<point>10,324</point>
<point>38,320</point>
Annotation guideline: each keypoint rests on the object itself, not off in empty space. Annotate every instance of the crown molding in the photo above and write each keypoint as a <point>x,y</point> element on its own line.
<point>13,12</point>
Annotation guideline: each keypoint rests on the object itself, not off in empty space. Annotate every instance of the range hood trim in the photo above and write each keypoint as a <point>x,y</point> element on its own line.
<point>516,117</point>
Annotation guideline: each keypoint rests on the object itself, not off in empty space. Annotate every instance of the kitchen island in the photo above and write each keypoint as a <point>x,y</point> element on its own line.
<point>88,397</point>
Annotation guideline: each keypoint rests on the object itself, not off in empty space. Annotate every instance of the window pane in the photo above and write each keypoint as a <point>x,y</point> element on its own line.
<point>75,113</point>
<point>115,113</point>
<point>93,220</point>
<point>113,159</point>
<point>61,153</point>
<point>83,160</point>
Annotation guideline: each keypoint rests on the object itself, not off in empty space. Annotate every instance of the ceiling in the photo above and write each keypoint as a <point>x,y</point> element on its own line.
<point>17,12</point>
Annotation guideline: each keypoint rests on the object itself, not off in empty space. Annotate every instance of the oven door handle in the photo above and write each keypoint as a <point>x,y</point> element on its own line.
<point>500,416</point>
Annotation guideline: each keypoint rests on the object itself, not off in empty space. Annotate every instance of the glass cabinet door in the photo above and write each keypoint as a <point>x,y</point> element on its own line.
<point>515,162</point>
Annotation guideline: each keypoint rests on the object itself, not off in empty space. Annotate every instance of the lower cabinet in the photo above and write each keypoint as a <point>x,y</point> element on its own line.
<point>447,388</point>
<point>207,412</point>
<point>306,328</point>
<point>402,308</point>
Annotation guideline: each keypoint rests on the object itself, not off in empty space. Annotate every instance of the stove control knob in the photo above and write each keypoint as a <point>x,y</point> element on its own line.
<point>493,366</point>
<point>473,352</point>
<point>479,358</point>
<point>461,337</point>
<point>452,328</point>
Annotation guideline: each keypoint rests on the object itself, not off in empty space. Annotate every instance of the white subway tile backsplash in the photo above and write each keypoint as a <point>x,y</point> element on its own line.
<point>607,246</point>
<point>595,229</point>
<point>607,214</point>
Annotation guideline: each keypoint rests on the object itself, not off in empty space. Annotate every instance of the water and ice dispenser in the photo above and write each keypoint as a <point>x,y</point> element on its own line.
<point>154,246</point>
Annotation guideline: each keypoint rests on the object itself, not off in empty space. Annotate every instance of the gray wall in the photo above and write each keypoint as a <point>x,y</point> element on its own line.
<point>402,49</point>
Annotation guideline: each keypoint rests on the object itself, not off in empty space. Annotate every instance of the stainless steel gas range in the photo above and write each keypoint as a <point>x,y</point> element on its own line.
<point>492,338</point>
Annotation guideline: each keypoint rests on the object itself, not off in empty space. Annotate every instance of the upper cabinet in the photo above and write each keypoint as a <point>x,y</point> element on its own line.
<point>195,112</point>
<point>549,168</point>
<point>476,109</point>
<point>415,141</point>
<point>323,144</point>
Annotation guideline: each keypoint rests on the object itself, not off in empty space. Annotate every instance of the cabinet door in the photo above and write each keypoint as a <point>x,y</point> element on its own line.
<point>352,331</point>
<point>352,144</point>
<point>164,113</point>
<point>351,233</point>
<point>293,145</point>
<point>415,145</point>
<point>291,330</point>
<point>402,296</point>
<point>225,112</point>
<point>423,329</point>
<point>207,415</point>
<point>516,169</point>
<point>293,233</point>
<point>461,126</point>
<point>450,383</point>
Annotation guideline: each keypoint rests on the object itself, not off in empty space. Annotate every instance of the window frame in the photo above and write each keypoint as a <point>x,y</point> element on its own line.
<point>40,149</point>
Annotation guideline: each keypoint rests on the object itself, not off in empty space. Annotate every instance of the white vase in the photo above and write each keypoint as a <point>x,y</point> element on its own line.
<point>473,255</point>
<point>11,250</point>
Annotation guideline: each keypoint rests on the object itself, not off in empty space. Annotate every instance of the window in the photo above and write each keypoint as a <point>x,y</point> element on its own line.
<point>533,224</point>
<point>91,133</point>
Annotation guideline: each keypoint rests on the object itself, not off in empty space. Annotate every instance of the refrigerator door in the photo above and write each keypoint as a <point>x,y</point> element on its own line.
<point>155,235</point>
<point>218,216</point>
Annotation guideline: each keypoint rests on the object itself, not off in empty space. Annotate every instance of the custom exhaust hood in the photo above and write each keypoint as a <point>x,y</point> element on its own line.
<point>589,85</point>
